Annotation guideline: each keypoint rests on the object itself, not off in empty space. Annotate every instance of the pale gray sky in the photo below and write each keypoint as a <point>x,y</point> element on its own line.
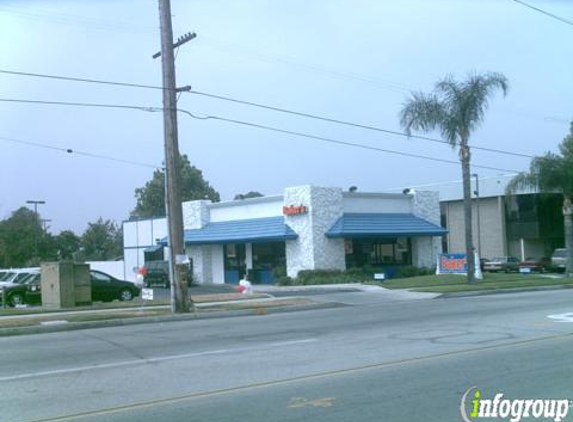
<point>353,60</point>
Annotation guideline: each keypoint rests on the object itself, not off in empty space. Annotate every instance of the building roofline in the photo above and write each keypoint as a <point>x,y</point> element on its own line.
<point>246,201</point>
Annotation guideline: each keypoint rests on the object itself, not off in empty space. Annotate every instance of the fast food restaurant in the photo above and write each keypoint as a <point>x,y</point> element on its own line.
<point>304,228</point>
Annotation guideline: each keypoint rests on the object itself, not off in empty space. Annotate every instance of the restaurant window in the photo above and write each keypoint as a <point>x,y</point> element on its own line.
<point>384,251</point>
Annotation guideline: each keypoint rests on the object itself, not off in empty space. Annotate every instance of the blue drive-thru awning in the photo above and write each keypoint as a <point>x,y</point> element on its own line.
<point>256,230</point>
<point>356,225</point>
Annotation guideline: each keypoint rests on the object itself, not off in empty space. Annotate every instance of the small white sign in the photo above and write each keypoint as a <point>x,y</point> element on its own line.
<point>525,270</point>
<point>379,276</point>
<point>147,294</point>
<point>181,259</point>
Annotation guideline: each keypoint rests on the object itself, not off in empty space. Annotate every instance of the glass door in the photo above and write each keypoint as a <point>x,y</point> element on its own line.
<point>235,262</point>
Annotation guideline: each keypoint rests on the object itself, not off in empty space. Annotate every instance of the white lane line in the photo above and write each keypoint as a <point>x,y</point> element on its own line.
<point>155,359</point>
<point>567,317</point>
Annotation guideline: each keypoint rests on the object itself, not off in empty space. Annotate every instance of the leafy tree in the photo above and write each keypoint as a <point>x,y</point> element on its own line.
<point>101,241</point>
<point>456,109</point>
<point>151,197</point>
<point>18,236</point>
<point>250,194</point>
<point>553,173</point>
<point>66,244</point>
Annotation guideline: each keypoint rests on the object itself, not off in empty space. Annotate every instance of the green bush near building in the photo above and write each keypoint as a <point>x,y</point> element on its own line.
<point>351,275</point>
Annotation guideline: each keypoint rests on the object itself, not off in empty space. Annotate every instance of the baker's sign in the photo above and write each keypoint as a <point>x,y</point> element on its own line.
<point>294,209</point>
<point>453,263</point>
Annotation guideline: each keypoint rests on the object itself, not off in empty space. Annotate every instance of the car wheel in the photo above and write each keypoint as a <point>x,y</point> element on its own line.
<point>125,295</point>
<point>16,299</point>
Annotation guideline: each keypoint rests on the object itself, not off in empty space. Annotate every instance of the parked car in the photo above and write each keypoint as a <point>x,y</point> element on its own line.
<point>540,265</point>
<point>16,276</point>
<point>559,259</point>
<point>504,263</point>
<point>482,263</point>
<point>16,293</point>
<point>156,272</point>
<point>105,288</point>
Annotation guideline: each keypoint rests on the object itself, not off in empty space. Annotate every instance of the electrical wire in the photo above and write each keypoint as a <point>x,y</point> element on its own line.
<point>79,152</point>
<point>537,9</point>
<point>251,124</point>
<point>357,125</point>
<point>272,108</point>
<point>334,141</point>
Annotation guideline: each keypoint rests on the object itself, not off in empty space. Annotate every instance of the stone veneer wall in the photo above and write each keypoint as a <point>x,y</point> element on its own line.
<point>196,216</point>
<point>425,250</point>
<point>312,249</point>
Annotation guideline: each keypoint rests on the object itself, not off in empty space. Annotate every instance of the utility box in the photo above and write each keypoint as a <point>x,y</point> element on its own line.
<point>65,285</point>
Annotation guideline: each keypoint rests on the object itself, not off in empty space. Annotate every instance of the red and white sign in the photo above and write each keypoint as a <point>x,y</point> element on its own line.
<point>295,209</point>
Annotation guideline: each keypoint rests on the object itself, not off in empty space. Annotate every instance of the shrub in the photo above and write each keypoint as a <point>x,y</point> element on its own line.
<point>284,281</point>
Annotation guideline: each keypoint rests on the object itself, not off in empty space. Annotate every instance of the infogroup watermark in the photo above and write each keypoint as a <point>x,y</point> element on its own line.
<point>474,407</point>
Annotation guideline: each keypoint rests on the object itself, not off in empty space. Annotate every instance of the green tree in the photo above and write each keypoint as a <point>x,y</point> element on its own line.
<point>151,197</point>
<point>101,241</point>
<point>249,194</point>
<point>66,244</point>
<point>551,173</point>
<point>18,236</point>
<point>456,109</point>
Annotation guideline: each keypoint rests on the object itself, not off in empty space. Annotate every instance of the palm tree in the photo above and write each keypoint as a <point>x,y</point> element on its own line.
<point>553,173</point>
<point>456,109</point>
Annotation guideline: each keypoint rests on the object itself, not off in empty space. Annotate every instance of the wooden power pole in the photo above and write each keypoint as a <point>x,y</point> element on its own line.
<point>177,257</point>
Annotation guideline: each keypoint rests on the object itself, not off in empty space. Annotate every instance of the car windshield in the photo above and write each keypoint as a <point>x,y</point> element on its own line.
<point>21,277</point>
<point>560,253</point>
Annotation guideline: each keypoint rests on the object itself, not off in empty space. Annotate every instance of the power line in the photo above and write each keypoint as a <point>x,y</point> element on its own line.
<point>78,152</point>
<point>334,141</point>
<point>348,123</point>
<point>537,9</point>
<point>272,108</point>
<point>69,78</point>
<point>245,123</point>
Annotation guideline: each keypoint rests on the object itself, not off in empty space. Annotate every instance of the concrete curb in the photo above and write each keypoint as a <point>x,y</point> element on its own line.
<point>503,291</point>
<point>72,326</point>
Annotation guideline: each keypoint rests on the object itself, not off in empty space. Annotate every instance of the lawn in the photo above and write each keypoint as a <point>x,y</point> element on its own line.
<point>448,283</point>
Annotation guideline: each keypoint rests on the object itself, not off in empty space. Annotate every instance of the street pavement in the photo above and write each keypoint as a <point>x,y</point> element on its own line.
<point>369,361</point>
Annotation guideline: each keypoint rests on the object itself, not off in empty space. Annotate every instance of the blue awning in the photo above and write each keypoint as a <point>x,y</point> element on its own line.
<point>154,248</point>
<point>256,230</point>
<point>383,225</point>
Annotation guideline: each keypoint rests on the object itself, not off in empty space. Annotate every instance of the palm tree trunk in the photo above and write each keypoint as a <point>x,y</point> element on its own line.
<point>466,176</point>
<point>567,218</point>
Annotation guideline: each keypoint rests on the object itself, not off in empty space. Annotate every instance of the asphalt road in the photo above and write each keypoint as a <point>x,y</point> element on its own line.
<point>402,361</point>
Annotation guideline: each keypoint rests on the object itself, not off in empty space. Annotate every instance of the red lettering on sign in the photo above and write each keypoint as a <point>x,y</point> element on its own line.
<point>295,209</point>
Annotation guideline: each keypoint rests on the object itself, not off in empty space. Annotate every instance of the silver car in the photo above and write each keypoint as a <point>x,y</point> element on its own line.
<point>559,259</point>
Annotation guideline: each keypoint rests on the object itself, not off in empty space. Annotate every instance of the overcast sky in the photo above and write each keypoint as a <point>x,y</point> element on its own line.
<point>353,60</point>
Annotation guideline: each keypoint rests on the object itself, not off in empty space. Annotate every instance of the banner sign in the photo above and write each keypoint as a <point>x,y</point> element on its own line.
<point>453,263</point>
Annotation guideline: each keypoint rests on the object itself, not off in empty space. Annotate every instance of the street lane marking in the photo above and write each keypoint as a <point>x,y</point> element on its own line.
<point>300,402</point>
<point>567,317</point>
<point>286,381</point>
<point>154,360</point>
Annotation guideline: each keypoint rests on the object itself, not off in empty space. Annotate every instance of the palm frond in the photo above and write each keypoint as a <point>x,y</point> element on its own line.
<point>421,112</point>
<point>521,182</point>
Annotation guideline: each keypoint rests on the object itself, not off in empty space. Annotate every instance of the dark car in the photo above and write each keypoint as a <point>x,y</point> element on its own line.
<point>105,288</point>
<point>16,293</point>
<point>156,272</point>
<point>540,265</point>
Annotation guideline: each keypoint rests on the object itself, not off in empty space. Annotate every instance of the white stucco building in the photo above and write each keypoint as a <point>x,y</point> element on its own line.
<point>307,227</point>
